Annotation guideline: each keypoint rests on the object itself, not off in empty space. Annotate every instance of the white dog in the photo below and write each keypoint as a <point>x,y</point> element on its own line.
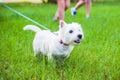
<point>57,44</point>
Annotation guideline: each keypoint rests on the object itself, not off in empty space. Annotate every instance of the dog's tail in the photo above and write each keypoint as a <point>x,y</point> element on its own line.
<point>32,27</point>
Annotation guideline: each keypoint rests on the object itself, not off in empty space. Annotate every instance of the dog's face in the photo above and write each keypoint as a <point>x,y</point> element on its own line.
<point>71,33</point>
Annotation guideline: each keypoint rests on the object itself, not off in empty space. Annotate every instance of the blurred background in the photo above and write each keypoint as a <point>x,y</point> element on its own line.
<point>45,1</point>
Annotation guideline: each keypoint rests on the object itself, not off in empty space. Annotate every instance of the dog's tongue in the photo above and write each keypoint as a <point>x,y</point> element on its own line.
<point>78,40</point>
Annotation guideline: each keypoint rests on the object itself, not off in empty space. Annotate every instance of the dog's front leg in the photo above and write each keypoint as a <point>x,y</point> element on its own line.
<point>70,50</point>
<point>49,56</point>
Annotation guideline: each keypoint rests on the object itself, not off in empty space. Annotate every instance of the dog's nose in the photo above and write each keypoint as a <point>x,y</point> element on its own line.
<point>79,36</point>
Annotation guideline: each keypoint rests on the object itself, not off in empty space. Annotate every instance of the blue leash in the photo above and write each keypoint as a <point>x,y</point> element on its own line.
<point>20,14</point>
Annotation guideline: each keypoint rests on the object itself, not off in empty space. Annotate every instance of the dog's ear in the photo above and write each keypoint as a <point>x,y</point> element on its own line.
<point>62,23</point>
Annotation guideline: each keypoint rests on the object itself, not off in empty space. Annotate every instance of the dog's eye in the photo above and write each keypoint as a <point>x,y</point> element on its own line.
<point>71,31</point>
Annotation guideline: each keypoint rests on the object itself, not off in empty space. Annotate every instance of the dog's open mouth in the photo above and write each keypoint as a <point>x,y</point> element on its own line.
<point>77,41</point>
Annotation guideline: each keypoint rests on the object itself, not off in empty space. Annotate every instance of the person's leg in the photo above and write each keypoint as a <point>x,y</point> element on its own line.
<point>88,7</point>
<point>79,4</point>
<point>67,4</point>
<point>60,12</point>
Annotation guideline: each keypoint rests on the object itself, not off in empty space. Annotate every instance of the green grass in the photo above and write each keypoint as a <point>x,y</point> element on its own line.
<point>97,58</point>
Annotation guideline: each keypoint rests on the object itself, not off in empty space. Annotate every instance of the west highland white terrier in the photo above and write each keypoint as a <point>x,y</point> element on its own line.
<point>59,43</point>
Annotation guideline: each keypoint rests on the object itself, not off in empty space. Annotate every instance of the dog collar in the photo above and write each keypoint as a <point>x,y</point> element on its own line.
<point>61,42</point>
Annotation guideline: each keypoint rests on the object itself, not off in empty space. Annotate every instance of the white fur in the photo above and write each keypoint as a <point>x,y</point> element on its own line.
<point>48,43</point>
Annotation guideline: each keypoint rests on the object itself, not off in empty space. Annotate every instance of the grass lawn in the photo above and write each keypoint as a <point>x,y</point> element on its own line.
<point>96,58</point>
